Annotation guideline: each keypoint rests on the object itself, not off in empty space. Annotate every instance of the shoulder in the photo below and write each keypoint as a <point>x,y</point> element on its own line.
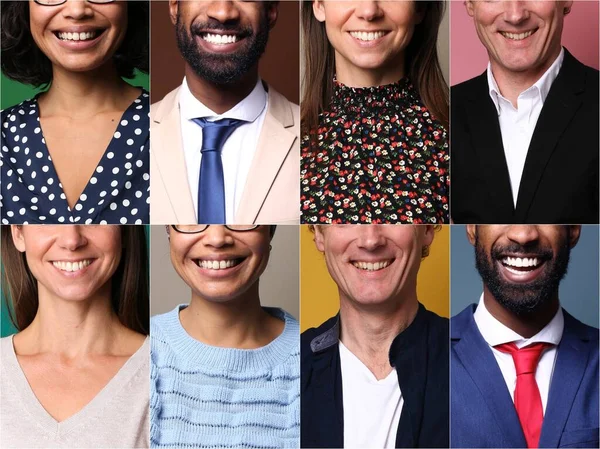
<point>282,109</point>
<point>17,112</point>
<point>311,335</point>
<point>585,331</point>
<point>438,326</point>
<point>169,101</point>
<point>470,87</point>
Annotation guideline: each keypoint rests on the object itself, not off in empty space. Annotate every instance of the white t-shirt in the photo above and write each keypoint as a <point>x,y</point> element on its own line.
<point>372,407</point>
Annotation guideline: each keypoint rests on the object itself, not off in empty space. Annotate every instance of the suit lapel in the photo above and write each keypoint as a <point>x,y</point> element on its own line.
<point>487,145</point>
<point>563,101</point>
<point>478,360</point>
<point>274,144</point>
<point>167,148</point>
<point>571,361</point>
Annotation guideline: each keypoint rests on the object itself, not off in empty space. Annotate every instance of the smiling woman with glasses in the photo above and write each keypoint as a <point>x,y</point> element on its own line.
<point>225,371</point>
<point>78,151</point>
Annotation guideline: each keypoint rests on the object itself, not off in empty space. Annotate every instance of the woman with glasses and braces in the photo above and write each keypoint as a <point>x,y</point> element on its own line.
<point>225,372</point>
<point>78,151</point>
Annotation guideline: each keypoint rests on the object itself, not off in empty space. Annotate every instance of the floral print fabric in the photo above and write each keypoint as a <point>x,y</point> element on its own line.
<point>378,156</point>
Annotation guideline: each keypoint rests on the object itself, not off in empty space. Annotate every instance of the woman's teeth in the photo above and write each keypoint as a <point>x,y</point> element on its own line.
<point>371,266</point>
<point>77,36</point>
<point>367,36</point>
<point>71,266</point>
<point>517,36</point>
<point>220,39</point>
<point>217,264</point>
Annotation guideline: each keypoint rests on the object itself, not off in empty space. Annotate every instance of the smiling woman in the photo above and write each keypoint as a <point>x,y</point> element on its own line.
<point>374,114</point>
<point>224,370</point>
<point>78,151</point>
<point>76,373</point>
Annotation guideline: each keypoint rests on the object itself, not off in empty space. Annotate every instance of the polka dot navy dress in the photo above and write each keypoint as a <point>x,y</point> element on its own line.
<point>117,192</point>
<point>378,156</point>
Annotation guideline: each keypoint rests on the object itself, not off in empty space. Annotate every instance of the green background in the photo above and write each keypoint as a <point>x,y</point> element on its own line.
<point>12,93</point>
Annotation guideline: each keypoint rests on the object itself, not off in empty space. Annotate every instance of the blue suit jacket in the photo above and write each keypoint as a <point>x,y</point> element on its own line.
<point>482,411</point>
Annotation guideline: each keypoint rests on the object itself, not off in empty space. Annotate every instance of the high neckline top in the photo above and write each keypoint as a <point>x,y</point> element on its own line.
<point>376,99</point>
<point>377,156</point>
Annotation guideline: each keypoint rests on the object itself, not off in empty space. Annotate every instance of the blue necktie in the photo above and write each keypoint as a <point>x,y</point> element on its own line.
<point>211,185</point>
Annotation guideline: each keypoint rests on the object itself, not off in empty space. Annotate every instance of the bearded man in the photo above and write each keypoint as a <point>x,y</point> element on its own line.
<point>524,371</point>
<point>225,145</point>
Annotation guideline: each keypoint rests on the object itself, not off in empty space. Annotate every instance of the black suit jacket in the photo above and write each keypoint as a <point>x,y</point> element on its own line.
<point>560,177</point>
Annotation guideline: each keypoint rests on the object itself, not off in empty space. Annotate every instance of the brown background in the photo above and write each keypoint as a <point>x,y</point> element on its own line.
<point>279,66</point>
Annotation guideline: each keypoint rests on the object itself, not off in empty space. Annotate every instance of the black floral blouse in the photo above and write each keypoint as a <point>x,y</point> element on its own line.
<point>378,156</point>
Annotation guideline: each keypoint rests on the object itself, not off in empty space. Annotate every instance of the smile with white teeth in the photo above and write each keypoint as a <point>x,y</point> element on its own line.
<point>71,266</point>
<point>519,265</point>
<point>367,35</point>
<point>517,36</point>
<point>77,36</point>
<point>218,264</point>
<point>372,266</point>
<point>220,39</point>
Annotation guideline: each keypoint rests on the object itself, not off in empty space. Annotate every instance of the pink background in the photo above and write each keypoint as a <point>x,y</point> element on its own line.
<point>468,57</point>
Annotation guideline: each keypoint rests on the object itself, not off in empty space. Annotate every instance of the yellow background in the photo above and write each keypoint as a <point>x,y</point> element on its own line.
<point>319,298</point>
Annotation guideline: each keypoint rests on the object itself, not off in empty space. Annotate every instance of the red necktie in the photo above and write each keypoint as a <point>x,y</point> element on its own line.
<point>528,401</point>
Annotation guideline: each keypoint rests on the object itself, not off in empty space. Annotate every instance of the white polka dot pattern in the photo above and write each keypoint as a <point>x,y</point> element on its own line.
<point>32,193</point>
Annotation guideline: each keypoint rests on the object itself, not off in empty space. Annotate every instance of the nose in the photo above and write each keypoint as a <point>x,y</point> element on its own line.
<point>71,237</point>
<point>516,12</point>
<point>217,236</point>
<point>371,237</point>
<point>223,11</point>
<point>368,11</point>
<point>77,9</point>
<point>523,234</point>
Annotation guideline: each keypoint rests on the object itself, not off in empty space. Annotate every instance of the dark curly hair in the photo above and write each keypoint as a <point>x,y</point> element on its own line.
<point>24,62</point>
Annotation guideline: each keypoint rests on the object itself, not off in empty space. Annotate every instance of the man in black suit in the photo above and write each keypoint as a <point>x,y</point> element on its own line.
<point>524,145</point>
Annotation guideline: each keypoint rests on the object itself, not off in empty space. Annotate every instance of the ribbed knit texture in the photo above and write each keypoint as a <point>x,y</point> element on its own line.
<point>209,397</point>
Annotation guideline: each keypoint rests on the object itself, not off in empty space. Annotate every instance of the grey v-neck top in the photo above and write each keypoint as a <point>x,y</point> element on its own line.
<point>117,417</point>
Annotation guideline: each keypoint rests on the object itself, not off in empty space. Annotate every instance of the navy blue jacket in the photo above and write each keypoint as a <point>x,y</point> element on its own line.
<point>483,413</point>
<point>420,355</point>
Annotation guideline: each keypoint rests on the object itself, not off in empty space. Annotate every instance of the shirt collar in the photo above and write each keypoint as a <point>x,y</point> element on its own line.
<point>541,86</point>
<point>496,333</point>
<point>247,110</point>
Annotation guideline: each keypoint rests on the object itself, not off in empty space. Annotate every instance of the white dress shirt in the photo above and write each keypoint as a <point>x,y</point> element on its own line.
<point>372,407</point>
<point>238,150</point>
<point>496,333</point>
<point>517,125</point>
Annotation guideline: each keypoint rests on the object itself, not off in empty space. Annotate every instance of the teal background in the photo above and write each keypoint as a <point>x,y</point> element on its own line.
<point>6,327</point>
<point>578,291</point>
<point>12,93</point>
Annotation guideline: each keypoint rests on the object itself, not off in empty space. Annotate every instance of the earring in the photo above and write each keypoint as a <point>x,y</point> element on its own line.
<point>270,247</point>
<point>567,10</point>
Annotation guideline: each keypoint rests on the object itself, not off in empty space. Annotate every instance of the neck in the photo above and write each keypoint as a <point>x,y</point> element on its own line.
<point>87,93</point>
<point>73,328</point>
<point>352,76</point>
<point>511,84</point>
<point>220,98</point>
<point>526,325</point>
<point>368,332</point>
<point>239,323</point>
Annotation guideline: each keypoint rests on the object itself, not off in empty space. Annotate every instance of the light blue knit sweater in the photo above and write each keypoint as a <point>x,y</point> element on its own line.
<point>209,397</point>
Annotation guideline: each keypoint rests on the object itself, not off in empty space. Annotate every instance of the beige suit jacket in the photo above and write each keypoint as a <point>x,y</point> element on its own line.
<point>272,191</point>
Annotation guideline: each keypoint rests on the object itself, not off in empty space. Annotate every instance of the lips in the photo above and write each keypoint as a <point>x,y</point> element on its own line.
<point>218,264</point>
<point>368,36</point>
<point>517,268</point>
<point>372,266</point>
<point>517,36</point>
<point>219,39</point>
<point>72,266</point>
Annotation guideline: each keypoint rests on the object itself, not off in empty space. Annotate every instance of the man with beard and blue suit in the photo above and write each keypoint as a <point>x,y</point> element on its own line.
<point>524,371</point>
